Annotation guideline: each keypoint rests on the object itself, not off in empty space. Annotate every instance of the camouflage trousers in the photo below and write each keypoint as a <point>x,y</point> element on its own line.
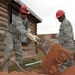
<point>12,43</point>
<point>66,64</point>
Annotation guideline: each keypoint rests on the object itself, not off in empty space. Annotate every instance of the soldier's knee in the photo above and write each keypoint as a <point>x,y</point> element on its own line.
<point>9,47</point>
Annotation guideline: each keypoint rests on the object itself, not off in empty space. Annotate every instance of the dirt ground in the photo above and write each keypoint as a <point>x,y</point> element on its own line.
<point>31,70</point>
<point>35,70</point>
<point>21,73</point>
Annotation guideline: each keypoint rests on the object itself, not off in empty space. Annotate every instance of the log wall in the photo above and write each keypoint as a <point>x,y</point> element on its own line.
<point>4,22</point>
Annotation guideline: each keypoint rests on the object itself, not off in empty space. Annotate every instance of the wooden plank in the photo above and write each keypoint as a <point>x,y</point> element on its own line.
<point>3,19</point>
<point>2,28</point>
<point>3,5</point>
<point>3,24</point>
<point>2,44</point>
<point>31,45</point>
<point>32,27</point>
<point>1,33</point>
<point>1,40</point>
<point>29,53</point>
<point>26,54</point>
<point>32,24</point>
<point>1,54</point>
<point>3,10</point>
<point>28,48</point>
<point>4,14</point>
<point>33,31</point>
<point>2,48</point>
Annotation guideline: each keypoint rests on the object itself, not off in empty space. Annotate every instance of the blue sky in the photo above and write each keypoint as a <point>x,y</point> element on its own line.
<point>46,10</point>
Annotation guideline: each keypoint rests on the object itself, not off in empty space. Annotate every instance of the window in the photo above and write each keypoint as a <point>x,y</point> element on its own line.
<point>14,14</point>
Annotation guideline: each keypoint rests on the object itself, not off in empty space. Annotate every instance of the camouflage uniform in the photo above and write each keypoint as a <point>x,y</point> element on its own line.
<point>12,40</point>
<point>66,40</point>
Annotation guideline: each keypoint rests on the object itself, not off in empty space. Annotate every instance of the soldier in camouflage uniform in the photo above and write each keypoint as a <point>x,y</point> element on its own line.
<point>12,37</point>
<point>65,37</point>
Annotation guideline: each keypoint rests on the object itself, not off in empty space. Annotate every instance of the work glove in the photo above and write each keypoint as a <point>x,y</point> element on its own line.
<point>33,38</point>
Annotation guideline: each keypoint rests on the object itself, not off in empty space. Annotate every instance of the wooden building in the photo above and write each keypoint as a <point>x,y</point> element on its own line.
<point>50,37</point>
<point>9,10</point>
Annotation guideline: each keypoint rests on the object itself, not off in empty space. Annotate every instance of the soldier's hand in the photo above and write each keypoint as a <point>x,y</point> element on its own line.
<point>33,38</point>
<point>36,38</point>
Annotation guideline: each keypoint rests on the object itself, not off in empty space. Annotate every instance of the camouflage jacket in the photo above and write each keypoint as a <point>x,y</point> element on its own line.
<point>18,27</point>
<point>65,37</point>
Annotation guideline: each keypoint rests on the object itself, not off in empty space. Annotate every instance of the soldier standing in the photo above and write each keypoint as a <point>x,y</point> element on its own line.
<point>12,37</point>
<point>65,37</point>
